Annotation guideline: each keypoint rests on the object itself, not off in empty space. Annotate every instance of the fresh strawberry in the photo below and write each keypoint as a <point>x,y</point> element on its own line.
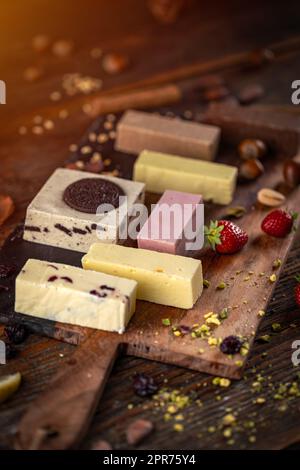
<point>297,290</point>
<point>225,237</point>
<point>278,223</point>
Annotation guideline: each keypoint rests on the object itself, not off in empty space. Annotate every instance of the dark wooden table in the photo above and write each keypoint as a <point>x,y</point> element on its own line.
<point>206,31</point>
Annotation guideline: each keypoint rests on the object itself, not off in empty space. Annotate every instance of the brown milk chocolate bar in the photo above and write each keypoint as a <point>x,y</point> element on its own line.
<point>280,130</point>
<point>138,131</point>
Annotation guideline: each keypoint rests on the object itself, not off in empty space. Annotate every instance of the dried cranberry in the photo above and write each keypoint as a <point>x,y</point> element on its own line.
<point>10,351</point>
<point>231,345</point>
<point>15,333</point>
<point>6,270</point>
<point>144,385</point>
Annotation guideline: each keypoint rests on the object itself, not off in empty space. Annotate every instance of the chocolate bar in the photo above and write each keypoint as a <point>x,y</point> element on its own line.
<point>279,130</point>
<point>138,131</point>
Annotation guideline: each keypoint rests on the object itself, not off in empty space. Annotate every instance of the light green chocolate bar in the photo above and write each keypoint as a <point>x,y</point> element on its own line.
<point>216,182</point>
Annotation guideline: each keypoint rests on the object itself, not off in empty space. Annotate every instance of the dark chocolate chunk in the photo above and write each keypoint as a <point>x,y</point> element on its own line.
<point>98,294</point>
<point>107,287</point>
<point>87,194</point>
<point>144,385</point>
<point>64,229</point>
<point>279,131</point>
<point>32,228</point>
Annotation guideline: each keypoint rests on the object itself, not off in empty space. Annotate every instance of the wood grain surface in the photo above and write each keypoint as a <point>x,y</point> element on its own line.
<point>27,161</point>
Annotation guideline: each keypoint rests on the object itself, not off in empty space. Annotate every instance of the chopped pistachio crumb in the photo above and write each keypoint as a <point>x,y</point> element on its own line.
<point>179,417</point>
<point>222,382</point>
<point>176,333</point>
<point>277,263</point>
<point>276,326</point>
<point>166,321</point>
<point>273,278</point>
<point>227,432</point>
<point>130,406</point>
<point>224,313</point>
<point>265,338</point>
<point>260,400</point>
<point>252,439</point>
<point>212,341</point>
<point>178,427</point>
<point>261,313</point>
<point>239,363</point>
<point>228,419</point>
<point>206,283</point>
<point>211,429</point>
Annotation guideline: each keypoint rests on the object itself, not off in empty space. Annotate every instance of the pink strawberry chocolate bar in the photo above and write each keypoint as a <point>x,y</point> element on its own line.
<point>176,224</point>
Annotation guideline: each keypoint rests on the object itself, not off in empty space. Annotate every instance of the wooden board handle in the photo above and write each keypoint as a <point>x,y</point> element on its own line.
<point>149,98</point>
<point>60,416</point>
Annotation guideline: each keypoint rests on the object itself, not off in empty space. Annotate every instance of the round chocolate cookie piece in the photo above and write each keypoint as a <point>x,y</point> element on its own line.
<point>87,194</point>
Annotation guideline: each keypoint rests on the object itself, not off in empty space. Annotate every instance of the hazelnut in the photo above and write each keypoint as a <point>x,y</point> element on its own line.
<point>114,63</point>
<point>251,169</point>
<point>291,173</point>
<point>252,148</point>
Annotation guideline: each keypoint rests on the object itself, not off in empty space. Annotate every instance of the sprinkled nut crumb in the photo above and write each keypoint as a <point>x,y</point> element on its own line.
<point>73,147</point>
<point>273,278</point>
<point>276,327</point>
<point>277,263</point>
<point>37,130</point>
